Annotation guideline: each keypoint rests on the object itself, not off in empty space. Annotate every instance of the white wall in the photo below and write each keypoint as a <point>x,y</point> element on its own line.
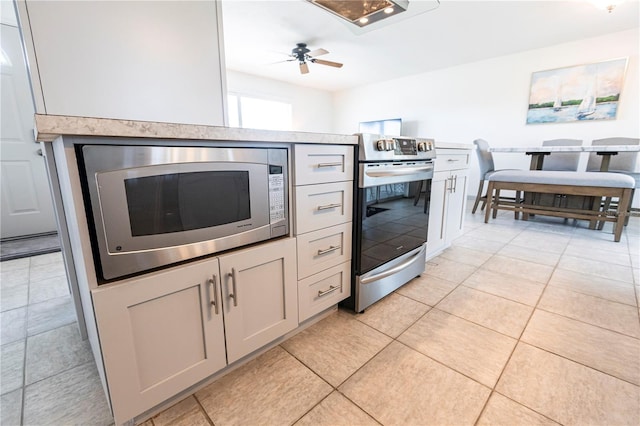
<point>312,108</point>
<point>489,100</point>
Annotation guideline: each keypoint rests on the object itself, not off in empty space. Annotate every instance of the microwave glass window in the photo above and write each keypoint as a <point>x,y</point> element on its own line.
<point>186,201</point>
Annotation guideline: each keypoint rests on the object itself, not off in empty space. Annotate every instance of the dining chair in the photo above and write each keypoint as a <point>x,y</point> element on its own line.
<point>487,168</point>
<point>623,162</point>
<point>562,161</point>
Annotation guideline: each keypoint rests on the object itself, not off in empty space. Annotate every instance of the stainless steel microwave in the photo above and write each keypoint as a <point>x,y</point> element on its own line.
<point>152,206</point>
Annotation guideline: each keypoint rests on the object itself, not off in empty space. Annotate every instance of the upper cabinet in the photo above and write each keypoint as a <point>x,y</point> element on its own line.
<point>138,60</point>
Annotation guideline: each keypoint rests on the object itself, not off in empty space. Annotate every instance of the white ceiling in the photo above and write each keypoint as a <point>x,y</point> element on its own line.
<point>258,34</point>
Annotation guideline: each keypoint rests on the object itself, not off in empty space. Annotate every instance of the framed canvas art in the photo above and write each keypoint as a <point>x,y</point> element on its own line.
<point>577,93</point>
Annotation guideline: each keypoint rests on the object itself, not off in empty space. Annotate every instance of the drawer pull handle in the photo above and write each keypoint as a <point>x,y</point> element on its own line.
<point>452,160</point>
<point>329,206</point>
<point>214,284</point>
<point>233,295</point>
<point>339,163</point>
<point>329,250</point>
<point>331,290</point>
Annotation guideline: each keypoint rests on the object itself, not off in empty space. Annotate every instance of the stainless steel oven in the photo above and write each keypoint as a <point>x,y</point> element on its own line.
<point>151,206</point>
<point>391,215</point>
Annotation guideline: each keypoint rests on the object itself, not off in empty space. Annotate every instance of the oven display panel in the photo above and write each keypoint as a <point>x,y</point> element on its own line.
<point>405,147</point>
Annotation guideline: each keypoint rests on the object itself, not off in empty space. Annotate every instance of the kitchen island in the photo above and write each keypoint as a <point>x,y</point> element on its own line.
<point>159,334</point>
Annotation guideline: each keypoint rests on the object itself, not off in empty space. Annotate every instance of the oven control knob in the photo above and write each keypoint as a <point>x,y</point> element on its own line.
<point>385,145</point>
<point>422,146</point>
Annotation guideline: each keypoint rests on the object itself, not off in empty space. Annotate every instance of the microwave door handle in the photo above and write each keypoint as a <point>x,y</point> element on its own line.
<point>214,289</point>
<point>234,294</point>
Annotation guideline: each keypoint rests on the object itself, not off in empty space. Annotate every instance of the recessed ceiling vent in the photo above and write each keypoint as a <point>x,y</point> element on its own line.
<point>363,12</point>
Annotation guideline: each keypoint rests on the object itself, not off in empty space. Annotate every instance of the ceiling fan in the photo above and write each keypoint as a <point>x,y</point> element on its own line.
<point>303,55</point>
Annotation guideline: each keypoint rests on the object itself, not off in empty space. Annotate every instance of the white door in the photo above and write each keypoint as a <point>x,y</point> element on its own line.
<point>25,197</point>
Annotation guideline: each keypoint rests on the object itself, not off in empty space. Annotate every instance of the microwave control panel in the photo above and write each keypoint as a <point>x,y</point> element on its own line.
<point>276,193</point>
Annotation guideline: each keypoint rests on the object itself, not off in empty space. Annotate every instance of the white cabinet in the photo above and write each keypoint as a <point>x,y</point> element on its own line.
<point>260,298</point>
<point>448,198</point>
<point>164,332</point>
<point>137,60</point>
<point>323,192</point>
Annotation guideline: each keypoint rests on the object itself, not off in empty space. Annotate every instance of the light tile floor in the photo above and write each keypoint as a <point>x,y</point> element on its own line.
<point>517,323</point>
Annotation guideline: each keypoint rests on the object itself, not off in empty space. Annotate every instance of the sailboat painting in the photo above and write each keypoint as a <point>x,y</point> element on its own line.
<point>578,93</point>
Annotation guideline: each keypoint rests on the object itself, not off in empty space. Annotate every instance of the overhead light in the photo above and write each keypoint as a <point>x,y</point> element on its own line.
<point>363,12</point>
<point>607,5</point>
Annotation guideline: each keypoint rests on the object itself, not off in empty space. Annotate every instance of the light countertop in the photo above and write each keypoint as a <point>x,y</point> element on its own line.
<point>452,145</point>
<point>49,127</point>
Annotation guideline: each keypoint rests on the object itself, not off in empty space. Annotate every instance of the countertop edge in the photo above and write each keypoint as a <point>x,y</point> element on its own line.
<point>49,127</point>
<point>452,145</point>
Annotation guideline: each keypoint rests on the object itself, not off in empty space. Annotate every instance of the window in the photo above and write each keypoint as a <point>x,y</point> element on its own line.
<point>255,113</point>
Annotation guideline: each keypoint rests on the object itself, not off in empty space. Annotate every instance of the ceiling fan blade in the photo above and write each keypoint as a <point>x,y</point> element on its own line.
<point>304,68</point>
<point>330,63</point>
<point>279,62</point>
<point>318,52</point>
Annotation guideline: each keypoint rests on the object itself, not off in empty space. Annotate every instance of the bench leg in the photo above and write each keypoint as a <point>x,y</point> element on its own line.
<point>516,212</point>
<point>622,212</point>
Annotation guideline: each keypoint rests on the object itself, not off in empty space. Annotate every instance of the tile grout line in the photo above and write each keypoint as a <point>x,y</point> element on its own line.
<point>518,340</point>
<point>26,347</point>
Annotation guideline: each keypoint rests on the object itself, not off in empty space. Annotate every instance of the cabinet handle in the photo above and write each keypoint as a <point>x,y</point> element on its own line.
<point>329,206</point>
<point>214,285</point>
<point>454,179</point>
<point>339,163</point>
<point>452,160</point>
<point>331,290</point>
<point>234,294</point>
<point>328,250</point>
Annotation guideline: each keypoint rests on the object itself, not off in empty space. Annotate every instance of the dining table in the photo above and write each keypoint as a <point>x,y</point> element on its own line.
<point>538,153</point>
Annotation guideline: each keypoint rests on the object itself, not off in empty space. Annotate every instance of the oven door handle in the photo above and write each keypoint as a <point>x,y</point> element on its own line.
<point>392,271</point>
<point>400,171</point>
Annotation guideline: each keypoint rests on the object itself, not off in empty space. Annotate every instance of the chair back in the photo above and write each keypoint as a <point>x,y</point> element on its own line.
<point>485,158</point>
<point>623,162</point>
<point>563,161</point>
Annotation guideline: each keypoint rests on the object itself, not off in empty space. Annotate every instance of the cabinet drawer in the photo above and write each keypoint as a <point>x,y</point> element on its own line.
<point>321,206</point>
<point>323,290</point>
<point>451,161</point>
<point>322,163</point>
<point>323,249</point>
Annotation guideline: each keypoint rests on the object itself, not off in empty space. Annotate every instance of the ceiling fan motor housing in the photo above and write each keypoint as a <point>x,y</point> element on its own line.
<point>300,51</point>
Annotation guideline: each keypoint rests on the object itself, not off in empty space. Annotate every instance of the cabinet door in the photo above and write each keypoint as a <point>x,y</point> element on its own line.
<point>260,296</point>
<point>159,334</point>
<point>456,207</point>
<point>436,236</point>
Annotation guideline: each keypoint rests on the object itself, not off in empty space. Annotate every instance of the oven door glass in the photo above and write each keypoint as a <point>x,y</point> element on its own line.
<point>392,221</point>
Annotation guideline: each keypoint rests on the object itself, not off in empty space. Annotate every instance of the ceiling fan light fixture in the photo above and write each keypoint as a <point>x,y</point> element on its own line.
<point>607,5</point>
<point>363,12</point>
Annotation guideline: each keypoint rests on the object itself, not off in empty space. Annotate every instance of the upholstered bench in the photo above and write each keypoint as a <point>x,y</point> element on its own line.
<point>588,184</point>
